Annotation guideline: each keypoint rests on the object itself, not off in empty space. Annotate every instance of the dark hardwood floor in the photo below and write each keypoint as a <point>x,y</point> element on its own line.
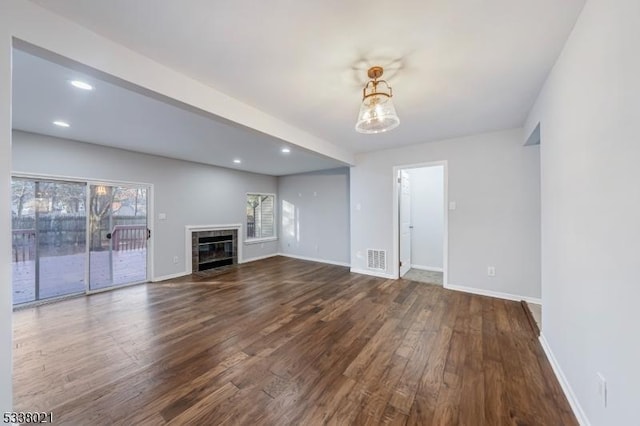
<point>284,341</point>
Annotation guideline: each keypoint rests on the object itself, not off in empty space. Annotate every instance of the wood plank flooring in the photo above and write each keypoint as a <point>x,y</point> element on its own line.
<point>283,341</point>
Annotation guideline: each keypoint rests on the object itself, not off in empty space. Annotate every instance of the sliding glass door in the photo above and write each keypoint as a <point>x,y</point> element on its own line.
<point>118,235</point>
<point>48,239</point>
<point>73,237</point>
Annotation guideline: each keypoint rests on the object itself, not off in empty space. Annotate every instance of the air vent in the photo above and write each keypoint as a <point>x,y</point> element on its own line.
<point>377,259</point>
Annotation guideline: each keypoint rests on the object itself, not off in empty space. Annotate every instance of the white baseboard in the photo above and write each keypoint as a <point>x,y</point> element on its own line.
<point>168,277</point>
<point>373,273</point>
<point>253,259</point>
<point>491,293</point>
<point>313,259</point>
<point>564,383</point>
<point>427,268</point>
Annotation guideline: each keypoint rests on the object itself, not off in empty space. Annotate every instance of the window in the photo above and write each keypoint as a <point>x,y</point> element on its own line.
<point>261,223</point>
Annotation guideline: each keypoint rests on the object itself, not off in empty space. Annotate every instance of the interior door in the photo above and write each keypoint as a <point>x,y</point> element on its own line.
<point>118,235</point>
<point>405,222</point>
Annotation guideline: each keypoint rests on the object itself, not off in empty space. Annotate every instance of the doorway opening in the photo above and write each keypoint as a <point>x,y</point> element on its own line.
<point>420,199</point>
<point>534,310</point>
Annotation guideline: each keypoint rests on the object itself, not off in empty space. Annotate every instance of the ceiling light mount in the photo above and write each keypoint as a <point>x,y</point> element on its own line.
<point>377,113</point>
<point>375,72</point>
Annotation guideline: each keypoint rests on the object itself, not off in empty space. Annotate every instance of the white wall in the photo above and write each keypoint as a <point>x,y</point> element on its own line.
<point>589,114</point>
<point>6,341</point>
<point>314,209</point>
<point>495,182</point>
<point>427,217</point>
<point>188,193</point>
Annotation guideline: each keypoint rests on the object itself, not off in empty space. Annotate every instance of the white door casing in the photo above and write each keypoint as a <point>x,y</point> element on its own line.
<point>405,222</point>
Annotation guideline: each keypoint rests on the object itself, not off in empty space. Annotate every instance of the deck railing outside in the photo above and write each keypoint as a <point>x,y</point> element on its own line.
<point>129,237</point>
<point>66,235</point>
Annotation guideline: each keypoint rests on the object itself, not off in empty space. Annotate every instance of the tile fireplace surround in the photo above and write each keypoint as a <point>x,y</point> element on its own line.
<point>209,247</point>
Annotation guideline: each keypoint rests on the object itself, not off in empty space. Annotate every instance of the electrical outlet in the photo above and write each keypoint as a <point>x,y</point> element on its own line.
<point>175,259</point>
<point>491,271</point>
<point>602,389</point>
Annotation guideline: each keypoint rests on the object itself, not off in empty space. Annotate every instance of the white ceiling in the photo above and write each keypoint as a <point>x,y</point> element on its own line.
<point>115,116</point>
<point>457,67</point>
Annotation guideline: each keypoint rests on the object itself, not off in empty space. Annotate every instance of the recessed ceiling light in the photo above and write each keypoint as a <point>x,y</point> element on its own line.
<point>81,85</point>
<point>286,150</point>
<point>237,161</point>
<point>61,123</point>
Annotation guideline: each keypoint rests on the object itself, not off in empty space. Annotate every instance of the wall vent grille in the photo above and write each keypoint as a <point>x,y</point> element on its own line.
<point>377,259</point>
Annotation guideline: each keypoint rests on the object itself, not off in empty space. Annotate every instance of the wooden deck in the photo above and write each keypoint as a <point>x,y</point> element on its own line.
<point>61,275</point>
<point>283,341</point>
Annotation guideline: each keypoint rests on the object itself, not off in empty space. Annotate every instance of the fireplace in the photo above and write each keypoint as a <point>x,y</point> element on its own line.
<point>214,249</point>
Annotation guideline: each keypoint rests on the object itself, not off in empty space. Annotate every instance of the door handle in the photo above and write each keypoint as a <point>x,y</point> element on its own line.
<point>148,233</point>
<point>109,236</point>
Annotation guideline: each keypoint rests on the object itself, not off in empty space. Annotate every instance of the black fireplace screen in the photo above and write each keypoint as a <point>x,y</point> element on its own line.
<point>215,251</point>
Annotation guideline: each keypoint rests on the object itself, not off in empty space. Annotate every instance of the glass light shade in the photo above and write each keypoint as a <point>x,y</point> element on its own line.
<point>377,115</point>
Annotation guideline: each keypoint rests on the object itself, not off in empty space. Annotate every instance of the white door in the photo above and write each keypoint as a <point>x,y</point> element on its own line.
<point>405,223</point>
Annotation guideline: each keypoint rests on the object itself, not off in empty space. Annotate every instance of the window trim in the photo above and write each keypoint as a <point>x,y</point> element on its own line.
<point>248,240</point>
<point>260,240</point>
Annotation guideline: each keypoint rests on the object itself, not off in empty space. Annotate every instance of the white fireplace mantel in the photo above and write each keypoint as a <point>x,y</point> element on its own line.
<point>190,229</point>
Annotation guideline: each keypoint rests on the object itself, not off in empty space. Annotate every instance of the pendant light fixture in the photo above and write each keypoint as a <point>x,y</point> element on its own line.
<point>377,113</point>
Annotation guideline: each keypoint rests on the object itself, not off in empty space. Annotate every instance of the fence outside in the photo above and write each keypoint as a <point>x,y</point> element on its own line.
<point>59,235</point>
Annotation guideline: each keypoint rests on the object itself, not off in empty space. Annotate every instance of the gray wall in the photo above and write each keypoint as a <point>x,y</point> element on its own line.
<point>427,217</point>
<point>188,193</point>
<point>588,113</point>
<point>495,182</point>
<point>314,210</point>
